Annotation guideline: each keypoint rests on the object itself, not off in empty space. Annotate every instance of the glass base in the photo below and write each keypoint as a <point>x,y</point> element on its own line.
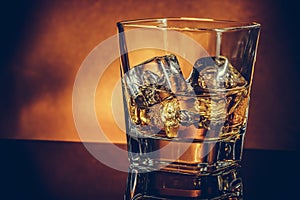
<point>187,157</point>
<point>169,185</point>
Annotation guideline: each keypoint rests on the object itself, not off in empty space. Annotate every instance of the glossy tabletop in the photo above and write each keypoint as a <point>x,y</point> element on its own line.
<point>31,169</point>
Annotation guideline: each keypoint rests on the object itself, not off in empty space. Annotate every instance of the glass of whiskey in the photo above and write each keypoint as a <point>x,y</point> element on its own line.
<point>186,88</point>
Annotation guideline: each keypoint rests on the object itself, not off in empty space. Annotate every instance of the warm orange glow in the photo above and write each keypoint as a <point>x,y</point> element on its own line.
<point>108,120</point>
<point>60,34</point>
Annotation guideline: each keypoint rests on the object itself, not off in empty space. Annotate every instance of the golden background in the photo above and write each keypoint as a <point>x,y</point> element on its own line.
<point>45,43</point>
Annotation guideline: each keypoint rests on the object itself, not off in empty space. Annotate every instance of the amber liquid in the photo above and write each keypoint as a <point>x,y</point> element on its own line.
<point>203,134</point>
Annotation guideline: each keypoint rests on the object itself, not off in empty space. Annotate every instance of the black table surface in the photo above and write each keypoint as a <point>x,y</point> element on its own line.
<point>33,169</point>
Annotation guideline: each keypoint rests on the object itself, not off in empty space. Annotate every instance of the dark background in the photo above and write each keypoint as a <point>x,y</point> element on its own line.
<point>43,44</point>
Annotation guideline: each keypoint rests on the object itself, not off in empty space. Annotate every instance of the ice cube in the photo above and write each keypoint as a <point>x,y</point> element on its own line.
<point>154,80</point>
<point>151,87</point>
<point>158,71</point>
<point>215,73</point>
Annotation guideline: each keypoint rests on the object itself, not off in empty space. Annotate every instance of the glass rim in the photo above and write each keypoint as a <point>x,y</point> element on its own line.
<point>230,25</point>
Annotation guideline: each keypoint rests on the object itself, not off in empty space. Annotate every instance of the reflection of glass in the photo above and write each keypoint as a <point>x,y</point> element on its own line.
<point>164,185</point>
<point>186,87</point>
